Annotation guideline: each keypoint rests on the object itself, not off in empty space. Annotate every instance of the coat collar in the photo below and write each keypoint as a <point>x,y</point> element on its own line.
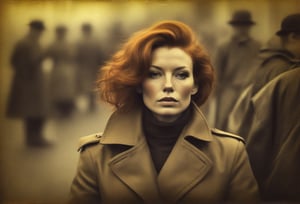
<point>185,167</point>
<point>125,128</point>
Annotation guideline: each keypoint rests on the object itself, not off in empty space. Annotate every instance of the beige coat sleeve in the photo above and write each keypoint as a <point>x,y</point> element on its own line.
<point>243,185</point>
<point>84,188</point>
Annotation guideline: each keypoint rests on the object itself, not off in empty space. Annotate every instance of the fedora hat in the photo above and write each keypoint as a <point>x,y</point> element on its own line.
<point>37,24</point>
<point>290,24</point>
<point>86,27</point>
<point>241,17</point>
<point>61,28</point>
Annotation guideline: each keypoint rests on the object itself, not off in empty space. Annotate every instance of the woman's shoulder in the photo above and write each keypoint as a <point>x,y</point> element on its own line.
<point>227,146</point>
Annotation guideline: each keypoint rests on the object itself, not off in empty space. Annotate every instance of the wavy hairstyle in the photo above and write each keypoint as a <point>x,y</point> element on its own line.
<point>121,76</point>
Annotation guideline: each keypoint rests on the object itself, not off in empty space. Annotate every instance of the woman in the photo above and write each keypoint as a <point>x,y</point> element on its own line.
<point>157,146</point>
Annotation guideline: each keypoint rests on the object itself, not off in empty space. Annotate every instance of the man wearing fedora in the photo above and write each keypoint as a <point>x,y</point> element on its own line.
<point>27,98</point>
<point>274,136</point>
<point>234,62</point>
<point>289,49</point>
<point>280,55</point>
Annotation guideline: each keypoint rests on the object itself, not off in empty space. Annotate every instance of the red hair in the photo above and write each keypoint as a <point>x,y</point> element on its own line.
<point>120,77</point>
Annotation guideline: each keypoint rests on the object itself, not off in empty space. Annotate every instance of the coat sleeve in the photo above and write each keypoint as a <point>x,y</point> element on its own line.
<point>242,185</point>
<point>84,188</point>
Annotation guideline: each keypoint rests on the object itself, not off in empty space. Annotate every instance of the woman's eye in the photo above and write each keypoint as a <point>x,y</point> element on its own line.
<point>182,75</point>
<point>154,75</point>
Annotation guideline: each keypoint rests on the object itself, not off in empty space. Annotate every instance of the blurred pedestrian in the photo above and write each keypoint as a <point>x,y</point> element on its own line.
<point>116,37</point>
<point>89,57</point>
<point>157,146</point>
<point>234,65</point>
<point>27,98</point>
<point>63,73</point>
<point>282,54</point>
<point>273,143</point>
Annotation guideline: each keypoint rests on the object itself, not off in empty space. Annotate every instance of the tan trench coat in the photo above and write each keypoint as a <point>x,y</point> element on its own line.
<point>204,166</point>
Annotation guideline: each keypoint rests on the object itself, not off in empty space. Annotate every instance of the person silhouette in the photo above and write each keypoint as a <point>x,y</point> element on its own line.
<point>88,57</point>
<point>63,73</point>
<point>27,98</point>
<point>233,62</point>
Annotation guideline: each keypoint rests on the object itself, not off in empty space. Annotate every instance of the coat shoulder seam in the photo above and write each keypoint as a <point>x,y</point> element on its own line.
<point>222,133</point>
<point>88,140</point>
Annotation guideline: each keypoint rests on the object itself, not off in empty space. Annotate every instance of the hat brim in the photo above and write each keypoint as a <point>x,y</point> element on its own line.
<point>286,32</point>
<point>241,23</point>
<point>281,32</point>
<point>41,28</point>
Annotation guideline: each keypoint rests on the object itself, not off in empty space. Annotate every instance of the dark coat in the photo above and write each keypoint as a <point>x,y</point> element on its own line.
<point>275,63</point>
<point>274,138</point>
<point>27,97</point>
<point>89,58</point>
<point>204,166</point>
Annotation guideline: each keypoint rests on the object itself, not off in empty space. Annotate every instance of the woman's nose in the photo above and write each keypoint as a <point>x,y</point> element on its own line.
<point>168,87</point>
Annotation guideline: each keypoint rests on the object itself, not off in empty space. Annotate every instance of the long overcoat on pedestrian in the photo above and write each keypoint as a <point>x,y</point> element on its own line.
<point>235,64</point>
<point>89,58</point>
<point>27,96</point>
<point>275,63</point>
<point>205,165</point>
<point>274,138</point>
<point>62,82</point>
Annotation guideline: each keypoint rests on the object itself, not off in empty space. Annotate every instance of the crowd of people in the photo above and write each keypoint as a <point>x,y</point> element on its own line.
<point>49,80</point>
<point>264,110</point>
<point>157,146</point>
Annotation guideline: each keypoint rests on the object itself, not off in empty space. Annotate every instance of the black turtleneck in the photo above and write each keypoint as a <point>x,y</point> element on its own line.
<point>161,136</point>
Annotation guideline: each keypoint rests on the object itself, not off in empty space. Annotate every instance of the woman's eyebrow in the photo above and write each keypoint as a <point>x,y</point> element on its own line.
<point>177,68</point>
<point>156,67</point>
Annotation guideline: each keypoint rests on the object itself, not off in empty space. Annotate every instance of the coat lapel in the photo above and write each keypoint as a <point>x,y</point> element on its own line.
<point>186,165</point>
<point>133,166</point>
<point>136,170</point>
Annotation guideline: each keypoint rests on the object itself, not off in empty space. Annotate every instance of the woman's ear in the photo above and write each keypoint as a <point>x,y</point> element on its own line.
<point>194,90</point>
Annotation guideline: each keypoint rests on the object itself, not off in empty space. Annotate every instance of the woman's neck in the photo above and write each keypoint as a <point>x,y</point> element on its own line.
<point>166,118</point>
<point>161,136</point>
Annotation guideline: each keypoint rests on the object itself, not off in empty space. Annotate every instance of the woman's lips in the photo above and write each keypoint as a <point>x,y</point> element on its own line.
<point>167,99</point>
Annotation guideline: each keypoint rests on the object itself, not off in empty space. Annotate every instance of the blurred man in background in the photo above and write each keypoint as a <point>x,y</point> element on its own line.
<point>233,63</point>
<point>89,57</point>
<point>272,120</point>
<point>63,73</point>
<point>27,98</point>
<point>282,54</point>
<point>273,143</point>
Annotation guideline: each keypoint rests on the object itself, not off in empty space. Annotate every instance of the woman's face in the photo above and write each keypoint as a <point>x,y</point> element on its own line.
<point>168,88</point>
